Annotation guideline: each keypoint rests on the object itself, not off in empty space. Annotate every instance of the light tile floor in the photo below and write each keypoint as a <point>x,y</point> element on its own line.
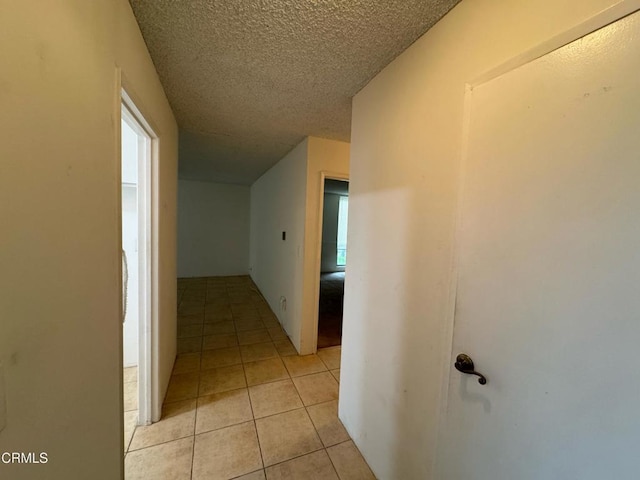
<point>130,384</point>
<point>241,404</point>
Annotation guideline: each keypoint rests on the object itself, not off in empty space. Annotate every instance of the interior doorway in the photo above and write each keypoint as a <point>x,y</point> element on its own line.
<point>136,186</point>
<point>333,261</point>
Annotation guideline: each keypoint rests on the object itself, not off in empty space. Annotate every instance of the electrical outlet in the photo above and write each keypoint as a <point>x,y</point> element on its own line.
<point>3,400</point>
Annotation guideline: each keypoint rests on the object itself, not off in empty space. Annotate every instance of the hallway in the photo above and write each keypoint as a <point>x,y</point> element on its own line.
<point>241,403</point>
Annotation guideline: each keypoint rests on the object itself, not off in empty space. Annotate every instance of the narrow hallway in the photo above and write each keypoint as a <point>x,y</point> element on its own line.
<point>241,403</point>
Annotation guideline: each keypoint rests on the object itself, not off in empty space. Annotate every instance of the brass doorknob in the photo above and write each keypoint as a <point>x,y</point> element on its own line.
<point>464,364</point>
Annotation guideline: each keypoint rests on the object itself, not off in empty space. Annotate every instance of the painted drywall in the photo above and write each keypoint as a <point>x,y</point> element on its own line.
<point>328,260</point>
<point>60,298</point>
<point>277,206</point>
<point>213,229</point>
<point>406,144</point>
<point>330,157</point>
<point>287,199</point>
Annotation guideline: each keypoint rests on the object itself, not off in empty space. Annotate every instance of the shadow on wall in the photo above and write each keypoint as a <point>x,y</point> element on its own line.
<point>388,317</point>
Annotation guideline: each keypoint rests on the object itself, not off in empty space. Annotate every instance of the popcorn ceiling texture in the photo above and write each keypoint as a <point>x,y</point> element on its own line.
<point>249,79</point>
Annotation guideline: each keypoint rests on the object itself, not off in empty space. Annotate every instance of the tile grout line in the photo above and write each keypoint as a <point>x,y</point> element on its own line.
<point>195,417</point>
<point>242,298</point>
<point>253,416</point>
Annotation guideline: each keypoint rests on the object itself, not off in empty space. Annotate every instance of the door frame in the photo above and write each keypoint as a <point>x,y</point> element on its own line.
<point>128,110</point>
<point>324,175</point>
<point>592,24</point>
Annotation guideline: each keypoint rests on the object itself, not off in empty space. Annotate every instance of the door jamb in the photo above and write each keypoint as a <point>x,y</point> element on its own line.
<point>148,410</point>
<point>324,175</point>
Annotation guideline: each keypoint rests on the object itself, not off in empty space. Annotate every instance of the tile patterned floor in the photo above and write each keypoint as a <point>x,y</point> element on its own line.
<point>130,384</point>
<point>241,404</point>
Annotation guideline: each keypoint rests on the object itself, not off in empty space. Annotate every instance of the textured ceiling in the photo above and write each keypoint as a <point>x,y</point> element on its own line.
<point>249,79</point>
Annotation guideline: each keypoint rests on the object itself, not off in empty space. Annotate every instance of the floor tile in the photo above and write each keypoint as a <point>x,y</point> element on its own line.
<point>189,345</point>
<point>186,331</point>
<point>226,453</point>
<point>285,348</point>
<point>239,299</point>
<point>270,321</point>
<point>317,388</point>
<point>184,320</point>
<point>349,463</point>
<point>223,340</point>
<point>277,333</point>
<point>178,420</point>
<point>130,374</point>
<point>286,435</point>
<point>130,396</point>
<point>316,466</point>
<point>244,324</point>
<point>216,316</point>
<point>258,351</point>
<point>272,398</point>
<point>187,362</point>
<point>226,326</point>
<point>182,387</point>
<point>217,299</point>
<point>264,371</point>
<point>222,410</point>
<point>130,421</point>
<point>221,357</point>
<point>168,461</point>
<point>244,306</point>
<point>221,379</point>
<point>330,356</point>
<point>298,365</point>
<point>191,308</point>
<point>259,475</point>
<point>329,427</point>
<point>229,338</point>
<point>249,337</point>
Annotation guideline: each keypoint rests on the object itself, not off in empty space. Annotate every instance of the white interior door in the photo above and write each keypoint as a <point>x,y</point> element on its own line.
<point>548,298</point>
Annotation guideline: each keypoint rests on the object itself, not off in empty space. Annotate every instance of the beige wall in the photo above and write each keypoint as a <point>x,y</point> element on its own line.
<point>405,151</point>
<point>60,326</point>
<point>330,157</point>
<point>213,229</point>
<point>287,198</point>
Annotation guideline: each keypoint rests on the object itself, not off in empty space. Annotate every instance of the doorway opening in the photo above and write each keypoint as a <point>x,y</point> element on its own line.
<point>136,188</point>
<point>333,261</point>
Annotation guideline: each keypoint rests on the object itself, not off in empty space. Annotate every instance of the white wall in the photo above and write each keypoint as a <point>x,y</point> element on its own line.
<point>213,229</point>
<point>287,198</point>
<point>60,215</point>
<point>406,145</point>
<point>328,261</point>
<point>278,205</point>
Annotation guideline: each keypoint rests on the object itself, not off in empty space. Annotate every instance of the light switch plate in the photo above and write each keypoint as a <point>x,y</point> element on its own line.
<point>3,400</point>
